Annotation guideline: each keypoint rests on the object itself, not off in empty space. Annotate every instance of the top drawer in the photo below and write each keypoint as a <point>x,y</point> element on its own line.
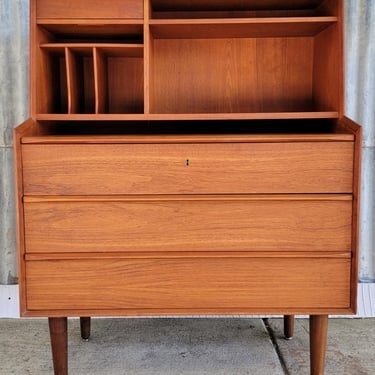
<point>191,168</point>
<point>89,9</point>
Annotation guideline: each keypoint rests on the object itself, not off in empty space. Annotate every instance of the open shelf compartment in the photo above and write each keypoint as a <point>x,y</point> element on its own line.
<point>92,77</point>
<point>245,74</point>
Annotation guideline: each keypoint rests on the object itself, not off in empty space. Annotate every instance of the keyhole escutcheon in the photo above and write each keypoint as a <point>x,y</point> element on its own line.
<point>187,162</point>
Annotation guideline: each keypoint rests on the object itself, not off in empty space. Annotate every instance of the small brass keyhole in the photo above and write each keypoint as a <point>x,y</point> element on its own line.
<point>187,163</point>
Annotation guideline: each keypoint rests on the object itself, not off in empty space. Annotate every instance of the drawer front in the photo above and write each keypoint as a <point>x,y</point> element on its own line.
<point>234,284</point>
<point>233,168</point>
<point>188,224</point>
<point>89,9</point>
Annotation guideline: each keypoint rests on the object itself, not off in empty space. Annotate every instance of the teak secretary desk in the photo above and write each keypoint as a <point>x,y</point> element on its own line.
<point>187,157</point>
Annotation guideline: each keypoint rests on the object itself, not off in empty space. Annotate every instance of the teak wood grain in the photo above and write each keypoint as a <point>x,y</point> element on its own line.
<point>357,130</point>
<point>86,9</point>
<point>188,225</point>
<point>214,168</point>
<point>256,81</point>
<point>213,283</point>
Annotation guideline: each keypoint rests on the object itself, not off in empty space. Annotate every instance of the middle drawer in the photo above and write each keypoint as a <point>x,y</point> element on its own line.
<point>188,223</point>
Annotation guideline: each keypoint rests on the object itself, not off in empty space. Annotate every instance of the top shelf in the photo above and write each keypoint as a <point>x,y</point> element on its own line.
<point>188,28</point>
<point>240,27</point>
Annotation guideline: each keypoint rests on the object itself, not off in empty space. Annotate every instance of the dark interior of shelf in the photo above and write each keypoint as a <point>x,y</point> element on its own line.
<point>306,126</point>
<point>234,9</point>
<point>207,5</point>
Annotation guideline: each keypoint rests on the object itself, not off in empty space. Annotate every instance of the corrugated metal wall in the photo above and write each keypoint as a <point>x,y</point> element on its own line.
<point>360,104</point>
<point>14,88</point>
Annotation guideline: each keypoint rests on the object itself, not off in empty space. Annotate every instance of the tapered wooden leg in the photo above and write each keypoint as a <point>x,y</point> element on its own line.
<point>318,343</point>
<point>58,328</point>
<point>85,323</point>
<point>288,326</point>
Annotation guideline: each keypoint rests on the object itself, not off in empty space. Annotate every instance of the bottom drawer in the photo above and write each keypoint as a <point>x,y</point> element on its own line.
<point>236,284</point>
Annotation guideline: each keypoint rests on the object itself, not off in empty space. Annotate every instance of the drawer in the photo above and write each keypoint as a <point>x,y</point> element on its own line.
<point>182,223</point>
<point>212,168</point>
<point>237,284</point>
<point>89,9</point>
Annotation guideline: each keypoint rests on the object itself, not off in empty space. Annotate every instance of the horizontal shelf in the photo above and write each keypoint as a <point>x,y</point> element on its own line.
<point>104,28</point>
<point>109,49</point>
<point>240,27</point>
<point>187,116</point>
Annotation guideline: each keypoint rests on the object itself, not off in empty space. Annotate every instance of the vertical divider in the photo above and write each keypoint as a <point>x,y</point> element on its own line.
<point>73,77</point>
<point>146,54</point>
<point>100,81</point>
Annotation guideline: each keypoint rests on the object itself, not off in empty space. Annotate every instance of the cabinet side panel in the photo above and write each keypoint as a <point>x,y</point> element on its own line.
<point>27,128</point>
<point>327,70</point>
<point>328,88</point>
<point>357,130</point>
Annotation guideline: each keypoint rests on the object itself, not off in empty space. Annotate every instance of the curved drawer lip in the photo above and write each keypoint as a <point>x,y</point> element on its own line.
<point>206,138</point>
<point>192,197</point>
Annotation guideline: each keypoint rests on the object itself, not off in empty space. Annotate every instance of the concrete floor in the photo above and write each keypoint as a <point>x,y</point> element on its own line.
<point>191,346</point>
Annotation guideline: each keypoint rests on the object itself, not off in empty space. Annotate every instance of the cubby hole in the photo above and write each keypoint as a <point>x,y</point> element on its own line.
<point>68,79</point>
<point>119,79</point>
<point>89,69</point>
<point>245,56</point>
<point>80,74</point>
<point>196,71</point>
<point>52,86</point>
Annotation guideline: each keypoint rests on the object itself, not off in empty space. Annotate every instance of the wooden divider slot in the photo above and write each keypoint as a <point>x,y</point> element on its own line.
<point>119,78</point>
<point>80,74</point>
<point>94,78</point>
